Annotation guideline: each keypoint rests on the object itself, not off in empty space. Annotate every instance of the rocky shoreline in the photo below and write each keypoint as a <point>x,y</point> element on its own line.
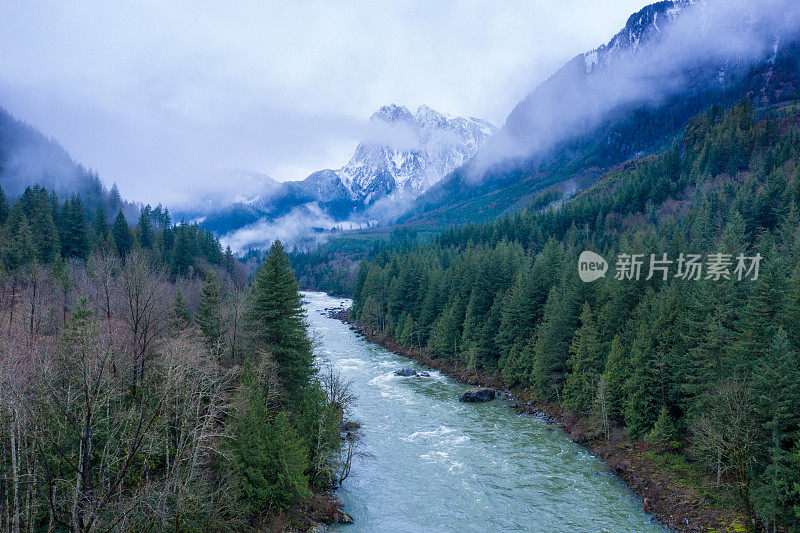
<point>672,502</point>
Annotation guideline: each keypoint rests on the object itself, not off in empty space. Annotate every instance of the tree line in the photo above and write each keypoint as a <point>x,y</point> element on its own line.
<point>706,371</point>
<point>146,383</point>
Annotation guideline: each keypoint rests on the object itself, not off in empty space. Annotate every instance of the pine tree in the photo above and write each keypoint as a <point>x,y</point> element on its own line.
<point>180,311</point>
<point>319,422</point>
<point>229,262</point>
<point>585,358</point>
<point>553,338</point>
<point>101,226</point>
<point>517,317</point>
<point>527,297</point>
<point>21,250</point>
<point>122,235</point>
<point>446,334</point>
<point>144,229</point>
<point>73,232</point>
<point>271,460</point>
<point>209,314</point>
<point>35,203</point>
<point>182,256</point>
<point>488,352</point>
<point>4,209</point>
<point>274,321</point>
<point>664,432</point>
<point>114,198</point>
<point>55,208</point>
<point>518,366</point>
<point>640,405</point>
<point>615,375</point>
<point>777,395</point>
<point>407,332</point>
<point>760,320</point>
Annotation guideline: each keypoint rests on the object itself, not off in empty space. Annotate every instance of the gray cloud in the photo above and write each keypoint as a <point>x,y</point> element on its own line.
<point>154,94</point>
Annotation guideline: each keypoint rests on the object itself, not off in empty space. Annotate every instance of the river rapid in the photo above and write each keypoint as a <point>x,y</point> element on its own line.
<point>435,464</point>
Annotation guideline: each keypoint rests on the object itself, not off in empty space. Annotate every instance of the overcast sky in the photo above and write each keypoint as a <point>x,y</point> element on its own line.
<point>153,95</point>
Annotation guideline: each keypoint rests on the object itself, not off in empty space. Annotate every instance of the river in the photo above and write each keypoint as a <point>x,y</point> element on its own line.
<point>436,464</point>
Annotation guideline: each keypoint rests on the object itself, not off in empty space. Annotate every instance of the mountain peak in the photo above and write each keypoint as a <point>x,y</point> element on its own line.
<point>642,27</point>
<point>649,14</point>
<point>428,117</point>
<point>392,113</point>
<point>406,167</point>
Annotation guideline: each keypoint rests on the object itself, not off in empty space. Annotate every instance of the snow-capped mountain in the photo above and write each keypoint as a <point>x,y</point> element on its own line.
<point>403,155</point>
<point>410,153</point>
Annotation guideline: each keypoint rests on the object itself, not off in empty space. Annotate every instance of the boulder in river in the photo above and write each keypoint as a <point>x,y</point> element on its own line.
<point>405,372</point>
<point>423,374</point>
<point>344,518</point>
<point>477,395</point>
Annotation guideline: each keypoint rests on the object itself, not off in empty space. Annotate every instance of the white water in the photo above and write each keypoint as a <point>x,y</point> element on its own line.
<point>441,465</point>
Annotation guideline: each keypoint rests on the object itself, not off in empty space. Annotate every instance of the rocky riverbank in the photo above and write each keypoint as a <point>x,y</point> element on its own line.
<point>676,504</point>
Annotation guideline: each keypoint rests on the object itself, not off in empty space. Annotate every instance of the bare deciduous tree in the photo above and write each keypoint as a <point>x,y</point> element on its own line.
<point>726,435</point>
<point>102,271</point>
<point>144,307</point>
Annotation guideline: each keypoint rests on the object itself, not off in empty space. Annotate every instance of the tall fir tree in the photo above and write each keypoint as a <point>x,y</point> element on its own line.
<point>100,225</point>
<point>270,457</point>
<point>35,203</point>
<point>21,250</point>
<point>73,231</point>
<point>180,310</point>
<point>641,386</point>
<point>777,396</point>
<point>122,235</point>
<point>275,324</point>
<point>616,371</point>
<point>585,357</point>
<point>209,314</point>
<point>144,229</point>
<point>5,210</point>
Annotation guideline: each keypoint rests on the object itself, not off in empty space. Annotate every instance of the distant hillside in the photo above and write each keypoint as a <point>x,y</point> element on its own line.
<point>28,158</point>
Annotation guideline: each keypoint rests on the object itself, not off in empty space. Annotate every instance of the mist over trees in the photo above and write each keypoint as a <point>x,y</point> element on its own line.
<point>28,158</point>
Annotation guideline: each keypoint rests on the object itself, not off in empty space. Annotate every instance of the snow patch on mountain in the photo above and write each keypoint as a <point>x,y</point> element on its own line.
<point>640,28</point>
<point>408,153</point>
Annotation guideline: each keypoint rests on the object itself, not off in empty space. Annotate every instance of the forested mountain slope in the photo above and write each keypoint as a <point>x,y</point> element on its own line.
<point>28,158</point>
<point>628,97</point>
<point>705,368</point>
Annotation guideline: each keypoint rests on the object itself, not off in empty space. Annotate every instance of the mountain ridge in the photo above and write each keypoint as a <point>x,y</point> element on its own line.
<point>403,155</point>
<point>623,99</point>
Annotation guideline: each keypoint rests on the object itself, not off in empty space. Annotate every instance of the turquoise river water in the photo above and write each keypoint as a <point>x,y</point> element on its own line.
<point>436,464</point>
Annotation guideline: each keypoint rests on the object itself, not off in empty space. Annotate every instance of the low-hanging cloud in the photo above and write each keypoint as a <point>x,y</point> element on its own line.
<point>728,33</point>
<point>301,228</point>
